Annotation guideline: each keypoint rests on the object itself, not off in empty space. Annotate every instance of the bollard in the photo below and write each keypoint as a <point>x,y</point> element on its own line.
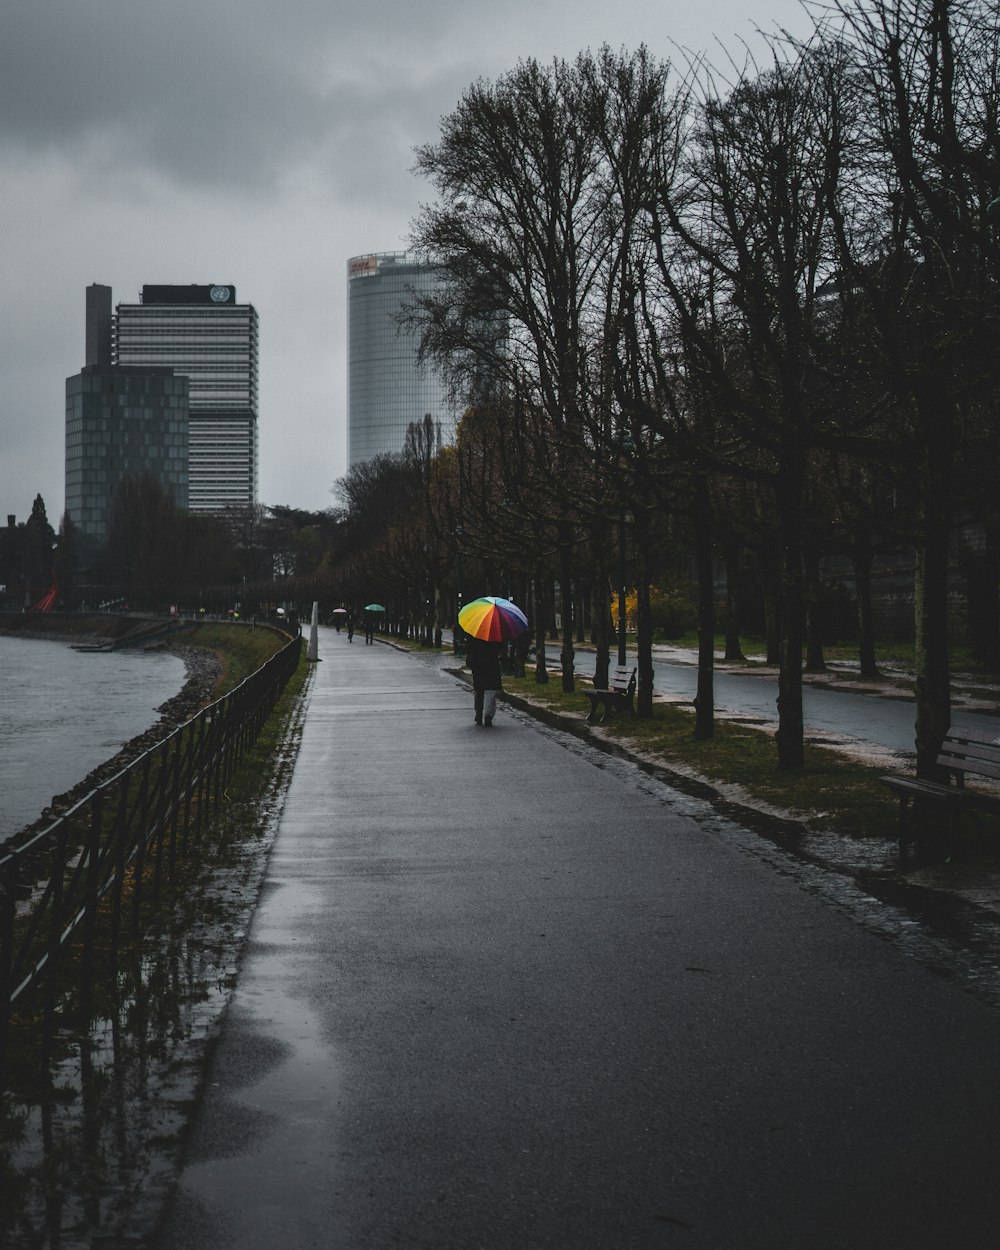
<point>313,653</point>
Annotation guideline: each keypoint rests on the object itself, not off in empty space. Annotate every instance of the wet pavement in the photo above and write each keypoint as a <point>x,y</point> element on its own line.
<point>503,990</point>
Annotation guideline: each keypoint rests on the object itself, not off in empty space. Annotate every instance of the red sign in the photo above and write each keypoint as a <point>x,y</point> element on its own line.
<point>362,266</point>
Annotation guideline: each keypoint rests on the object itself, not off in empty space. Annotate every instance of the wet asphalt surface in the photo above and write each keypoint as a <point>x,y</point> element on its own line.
<point>881,722</point>
<point>502,990</point>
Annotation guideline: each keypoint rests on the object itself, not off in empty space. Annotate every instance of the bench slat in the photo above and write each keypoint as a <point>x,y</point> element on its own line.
<point>984,737</point>
<point>622,678</point>
<point>973,754</point>
<point>978,750</point>
<point>978,768</point>
<point>965,753</point>
<point>933,789</point>
<point>618,696</point>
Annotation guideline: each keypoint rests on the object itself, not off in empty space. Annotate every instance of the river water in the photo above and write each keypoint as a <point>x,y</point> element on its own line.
<point>64,712</point>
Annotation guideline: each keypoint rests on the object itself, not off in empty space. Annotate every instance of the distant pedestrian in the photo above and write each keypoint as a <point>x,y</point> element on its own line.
<point>483,658</point>
<point>369,629</point>
<point>350,626</point>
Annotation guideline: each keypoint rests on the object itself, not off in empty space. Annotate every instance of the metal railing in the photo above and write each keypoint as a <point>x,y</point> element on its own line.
<point>107,856</point>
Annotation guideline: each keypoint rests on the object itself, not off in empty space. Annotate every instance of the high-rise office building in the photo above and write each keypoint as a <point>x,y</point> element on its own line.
<point>387,389</point>
<point>120,423</point>
<point>203,333</point>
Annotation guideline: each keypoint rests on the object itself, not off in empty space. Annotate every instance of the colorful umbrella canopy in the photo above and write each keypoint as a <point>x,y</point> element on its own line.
<point>493,620</point>
<point>374,607</point>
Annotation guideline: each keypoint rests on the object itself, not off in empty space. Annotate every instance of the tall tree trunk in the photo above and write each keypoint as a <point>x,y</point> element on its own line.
<point>791,729</point>
<point>815,663</point>
<point>733,558</point>
<point>932,685</point>
<point>540,593</point>
<point>436,598</point>
<point>861,561</point>
<point>704,703</point>
<point>520,646</point>
<point>771,589</point>
<point>566,608</point>
<point>644,615</point>
<point>601,625</point>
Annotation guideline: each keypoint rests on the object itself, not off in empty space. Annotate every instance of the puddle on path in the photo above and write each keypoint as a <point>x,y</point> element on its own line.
<point>92,1124</point>
<point>89,1148</point>
<point>92,1130</point>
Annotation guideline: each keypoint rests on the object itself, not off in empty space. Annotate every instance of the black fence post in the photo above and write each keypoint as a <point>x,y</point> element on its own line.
<point>139,861</point>
<point>8,905</point>
<point>100,846</point>
<point>175,800</point>
<point>91,899</point>
<point>57,881</point>
<point>119,841</point>
<point>160,826</point>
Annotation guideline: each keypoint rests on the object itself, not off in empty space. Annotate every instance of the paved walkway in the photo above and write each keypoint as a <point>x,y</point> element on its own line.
<point>504,992</point>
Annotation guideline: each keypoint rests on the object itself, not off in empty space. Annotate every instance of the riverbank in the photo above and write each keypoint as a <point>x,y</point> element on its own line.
<point>216,657</point>
<point>95,627</point>
<point>93,1116</point>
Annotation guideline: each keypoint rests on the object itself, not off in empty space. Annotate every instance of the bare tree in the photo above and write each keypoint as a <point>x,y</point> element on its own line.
<point>751,220</point>
<point>918,251</point>
<point>541,179</point>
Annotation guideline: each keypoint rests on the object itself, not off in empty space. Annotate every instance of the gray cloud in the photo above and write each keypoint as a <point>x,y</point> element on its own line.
<point>199,91</point>
<point>242,141</point>
<point>212,91</point>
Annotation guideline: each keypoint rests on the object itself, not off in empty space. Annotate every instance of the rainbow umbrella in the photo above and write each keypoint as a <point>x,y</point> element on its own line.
<point>492,620</point>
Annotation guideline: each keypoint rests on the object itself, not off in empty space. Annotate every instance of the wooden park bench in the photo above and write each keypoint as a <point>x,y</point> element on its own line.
<point>617,698</point>
<point>964,753</point>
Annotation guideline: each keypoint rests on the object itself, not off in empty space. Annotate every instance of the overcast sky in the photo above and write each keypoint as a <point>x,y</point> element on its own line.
<point>254,142</point>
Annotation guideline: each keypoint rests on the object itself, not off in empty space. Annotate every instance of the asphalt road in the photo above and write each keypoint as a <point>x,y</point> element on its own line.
<point>502,991</point>
<point>885,723</point>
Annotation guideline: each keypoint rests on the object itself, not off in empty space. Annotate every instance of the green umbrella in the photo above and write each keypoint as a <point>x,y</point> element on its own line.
<point>374,607</point>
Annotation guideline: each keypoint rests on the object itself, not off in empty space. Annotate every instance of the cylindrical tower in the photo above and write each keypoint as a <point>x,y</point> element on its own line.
<point>387,389</point>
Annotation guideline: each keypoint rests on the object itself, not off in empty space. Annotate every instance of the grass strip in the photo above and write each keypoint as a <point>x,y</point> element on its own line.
<point>831,792</point>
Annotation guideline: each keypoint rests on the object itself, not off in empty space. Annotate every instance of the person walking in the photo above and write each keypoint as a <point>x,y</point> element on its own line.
<point>350,626</point>
<point>483,658</point>
<point>370,629</point>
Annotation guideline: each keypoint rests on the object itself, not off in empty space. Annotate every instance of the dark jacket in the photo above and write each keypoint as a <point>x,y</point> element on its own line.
<point>484,660</point>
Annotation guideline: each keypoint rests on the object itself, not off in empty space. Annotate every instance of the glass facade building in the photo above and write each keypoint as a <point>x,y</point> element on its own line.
<point>387,389</point>
<point>209,338</point>
<point>120,423</point>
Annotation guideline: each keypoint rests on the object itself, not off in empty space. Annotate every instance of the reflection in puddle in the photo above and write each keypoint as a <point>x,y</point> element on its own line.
<point>91,1122</point>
